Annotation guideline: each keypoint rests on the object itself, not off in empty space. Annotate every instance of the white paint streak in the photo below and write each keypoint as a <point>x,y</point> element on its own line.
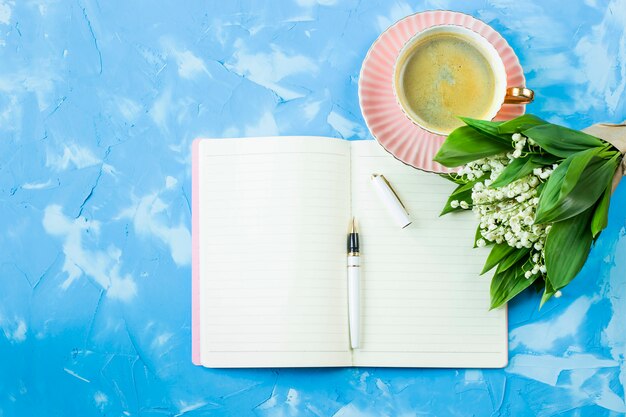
<point>39,79</point>
<point>382,387</point>
<point>547,368</point>
<point>37,185</point>
<point>266,126</point>
<point>109,169</point>
<point>345,127</point>
<point>614,335</point>
<point>398,11</point>
<point>19,334</point>
<point>170,182</point>
<point>231,132</point>
<point>161,340</point>
<point>128,108</point>
<point>293,399</point>
<point>607,398</point>
<point>524,19</point>
<point>73,155</point>
<point>14,330</point>
<point>149,215</point>
<point>363,381</point>
<point>189,65</point>
<point>594,72</point>
<point>100,399</point>
<point>184,407</point>
<point>161,109</point>
<point>541,336</point>
<point>602,55</point>
<point>310,3</point>
<point>268,69</point>
<point>102,265</point>
<point>11,112</point>
<point>311,109</point>
<point>6,10</point>
<point>269,403</point>
<point>75,375</point>
<point>473,376</point>
<point>550,67</point>
<point>351,410</point>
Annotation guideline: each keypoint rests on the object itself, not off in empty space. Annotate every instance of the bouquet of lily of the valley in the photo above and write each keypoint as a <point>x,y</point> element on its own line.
<point>541,193</point>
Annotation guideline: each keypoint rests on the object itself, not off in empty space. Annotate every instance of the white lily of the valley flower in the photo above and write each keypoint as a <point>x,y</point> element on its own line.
<point>506,214</point>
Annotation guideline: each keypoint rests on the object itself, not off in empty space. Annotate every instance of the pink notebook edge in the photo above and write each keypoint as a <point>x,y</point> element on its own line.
<point>195,253</point>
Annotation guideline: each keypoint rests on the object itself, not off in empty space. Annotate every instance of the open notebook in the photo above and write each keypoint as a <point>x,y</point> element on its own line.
<point>270,218</point>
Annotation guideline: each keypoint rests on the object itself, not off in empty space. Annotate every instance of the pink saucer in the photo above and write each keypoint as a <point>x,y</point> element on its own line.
<point>401,137</point>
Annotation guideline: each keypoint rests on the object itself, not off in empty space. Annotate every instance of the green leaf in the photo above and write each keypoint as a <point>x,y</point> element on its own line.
<point>539,285</point>
<point>548,292</point>
<point>561,141</point>
<point>467,186</point>
<point>579,161</point>
<point>507,284</point>
<point>517,169</point>
<point>520,123</point>
<point>546,159</point>
<point>550,190</point>
<point>479,235</point>
<point>554,207</point>
<point>567,247</point>
<point>461,193</point>
<point>489,129</point>
<point>466,144</point>
<point>540,188</point>
<point>601,212</point>
<point>498,252</point>
<point>453,178</point>
<point>513,259</point>
<point>514,171</point>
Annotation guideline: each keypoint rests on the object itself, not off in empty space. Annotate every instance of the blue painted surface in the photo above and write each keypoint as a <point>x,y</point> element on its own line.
<point>99,103</point>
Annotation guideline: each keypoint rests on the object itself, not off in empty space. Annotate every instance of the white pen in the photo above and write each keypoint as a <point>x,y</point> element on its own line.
<point>353,284</point>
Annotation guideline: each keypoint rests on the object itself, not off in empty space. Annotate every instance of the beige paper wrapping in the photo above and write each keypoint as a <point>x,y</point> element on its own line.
<point>615,134</point>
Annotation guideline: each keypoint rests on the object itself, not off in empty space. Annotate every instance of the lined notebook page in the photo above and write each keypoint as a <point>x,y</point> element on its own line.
<point>273,222</point>
<point>423,303</point>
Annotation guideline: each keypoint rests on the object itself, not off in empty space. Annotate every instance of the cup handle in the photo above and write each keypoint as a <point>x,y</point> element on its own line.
<point>519,95</point>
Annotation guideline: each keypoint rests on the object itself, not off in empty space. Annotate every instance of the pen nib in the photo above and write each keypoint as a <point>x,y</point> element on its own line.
<point>354,226</point>
<point>353,239</point>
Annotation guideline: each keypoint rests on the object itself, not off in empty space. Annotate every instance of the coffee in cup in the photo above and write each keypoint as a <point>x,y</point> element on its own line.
<point>449,71</point>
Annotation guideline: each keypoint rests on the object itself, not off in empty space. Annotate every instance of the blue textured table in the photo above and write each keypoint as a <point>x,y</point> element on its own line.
<point>99,103</point>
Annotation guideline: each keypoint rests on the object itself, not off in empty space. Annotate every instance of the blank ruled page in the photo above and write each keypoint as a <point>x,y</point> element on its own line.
<point>423,302</point>
<point>273,221</point>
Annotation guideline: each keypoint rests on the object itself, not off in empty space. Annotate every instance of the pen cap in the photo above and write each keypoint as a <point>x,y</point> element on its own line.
<point>390,200</point>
